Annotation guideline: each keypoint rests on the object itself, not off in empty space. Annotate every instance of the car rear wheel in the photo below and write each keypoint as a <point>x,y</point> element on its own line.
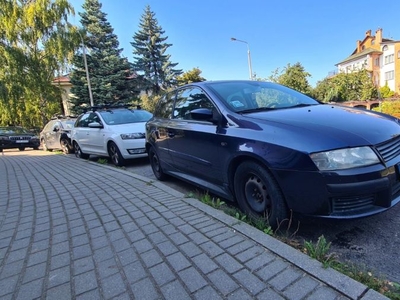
<point>115,155</point>
<point>79,153</point>
<point>65,147</point>
<point>21,148</point>
<point>155,165</point>
<point>258,194</point>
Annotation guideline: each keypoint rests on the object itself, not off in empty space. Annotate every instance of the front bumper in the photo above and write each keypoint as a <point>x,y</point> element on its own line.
<point>20,143</point>
<point>341,195</point>
<point>133,148</point>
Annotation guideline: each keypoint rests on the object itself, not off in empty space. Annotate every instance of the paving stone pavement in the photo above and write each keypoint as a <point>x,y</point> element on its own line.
<point>74,229</point>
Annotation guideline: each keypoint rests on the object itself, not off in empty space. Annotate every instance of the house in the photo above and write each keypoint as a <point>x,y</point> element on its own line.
<point>379,56</point>
<point>66,85</point>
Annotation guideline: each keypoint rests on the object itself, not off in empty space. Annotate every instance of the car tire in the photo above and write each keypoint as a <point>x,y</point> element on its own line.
<point>155,165</point>
<point>115,155</point>
<point>65,146</point>
<point>258,194</point>
<point>21,148</point>
<point>35,148</point>
<point>79,153</point>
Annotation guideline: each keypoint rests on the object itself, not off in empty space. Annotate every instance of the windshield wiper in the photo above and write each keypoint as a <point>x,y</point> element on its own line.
<point>251,110</point>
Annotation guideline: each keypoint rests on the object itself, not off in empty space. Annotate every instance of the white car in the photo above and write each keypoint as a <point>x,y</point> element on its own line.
<point>114,132</point>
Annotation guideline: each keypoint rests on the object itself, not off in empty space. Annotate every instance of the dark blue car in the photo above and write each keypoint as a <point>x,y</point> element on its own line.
<point>274,150</point>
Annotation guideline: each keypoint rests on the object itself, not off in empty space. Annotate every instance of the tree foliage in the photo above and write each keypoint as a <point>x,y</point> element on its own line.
<point>346,87</point>
<point>151,62</point>
<point>293,76</point>
<point>35,46</point>
<point>190,76</point>
<point>390,108</point>
<point>111,77</point>
<point>385,92</point>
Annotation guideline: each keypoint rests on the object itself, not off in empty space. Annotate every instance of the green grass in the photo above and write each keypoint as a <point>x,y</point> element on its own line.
<point>102,161</point>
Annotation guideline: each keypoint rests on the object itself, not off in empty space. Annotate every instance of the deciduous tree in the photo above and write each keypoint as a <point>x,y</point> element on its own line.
<point>190,76</point>
<point>35,45</point>
<point>293,76</point>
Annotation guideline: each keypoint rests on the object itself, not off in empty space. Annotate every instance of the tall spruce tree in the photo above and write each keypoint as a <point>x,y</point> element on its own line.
<point>111,77</point>
<point>153,66</point>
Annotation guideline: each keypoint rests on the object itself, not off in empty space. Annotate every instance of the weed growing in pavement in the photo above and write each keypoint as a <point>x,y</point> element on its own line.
<point>102,161</point>
<point>211,201</point>
<point>240,216</point>
<point>320,251</point>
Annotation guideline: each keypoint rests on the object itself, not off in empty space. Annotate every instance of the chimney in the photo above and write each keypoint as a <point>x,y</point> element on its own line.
<point>378,36</point>
<point>368,33</point>
<point>358,46</point>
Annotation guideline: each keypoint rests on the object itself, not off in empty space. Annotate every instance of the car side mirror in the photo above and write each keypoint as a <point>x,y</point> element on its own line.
<point>95,125</point>
<point>206,114</point>
<point>201,114</point>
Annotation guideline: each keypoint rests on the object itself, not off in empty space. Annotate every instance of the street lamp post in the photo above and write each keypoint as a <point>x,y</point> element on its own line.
<point>87,70</point>
<point>248,56</point>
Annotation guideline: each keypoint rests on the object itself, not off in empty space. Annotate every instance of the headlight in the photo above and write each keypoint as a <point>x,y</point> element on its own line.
<point>129,136</point>
<point>344,158</point>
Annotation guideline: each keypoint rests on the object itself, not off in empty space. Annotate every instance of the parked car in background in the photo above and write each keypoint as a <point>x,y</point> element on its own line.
<point>115,132</point>
<point>56,134</point>
<point>276,151</point>
<point>17,137</point>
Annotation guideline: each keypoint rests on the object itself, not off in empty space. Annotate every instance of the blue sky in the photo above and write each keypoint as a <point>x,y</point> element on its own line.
<point>316,33</point>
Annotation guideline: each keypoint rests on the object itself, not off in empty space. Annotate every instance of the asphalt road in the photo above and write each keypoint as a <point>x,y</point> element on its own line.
<point>371,242</point>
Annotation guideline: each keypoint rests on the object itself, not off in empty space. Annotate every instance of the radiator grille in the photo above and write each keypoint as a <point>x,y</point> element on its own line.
<point>389,149</point>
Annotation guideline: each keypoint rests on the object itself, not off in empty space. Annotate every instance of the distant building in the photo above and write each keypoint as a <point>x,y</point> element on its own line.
<point>65,83</point>
<point>379,56</point>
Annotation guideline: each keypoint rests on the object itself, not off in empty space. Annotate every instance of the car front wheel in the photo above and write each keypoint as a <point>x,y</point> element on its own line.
<point>21,148</point>
<point>258,194</point>
<point>156,166</point>
<point>79,153</point>
<point>115,155</point>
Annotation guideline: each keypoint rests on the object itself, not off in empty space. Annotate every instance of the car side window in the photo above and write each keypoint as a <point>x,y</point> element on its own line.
<point>189,99</point>
<point>164,106</point>
<point>83,121</point>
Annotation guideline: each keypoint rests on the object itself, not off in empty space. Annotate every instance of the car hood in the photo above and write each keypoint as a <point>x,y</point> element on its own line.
<point>129,128</point>
<point>319,127</point>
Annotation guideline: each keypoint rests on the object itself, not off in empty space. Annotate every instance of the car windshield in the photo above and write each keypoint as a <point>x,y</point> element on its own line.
<point>68,124</point>
<point>125,116</point>
<point>13,130</point>
<point>246,97</point>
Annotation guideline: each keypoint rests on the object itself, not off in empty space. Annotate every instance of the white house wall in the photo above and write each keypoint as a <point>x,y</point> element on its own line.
<point>387,67</point>
<point>354,65</point>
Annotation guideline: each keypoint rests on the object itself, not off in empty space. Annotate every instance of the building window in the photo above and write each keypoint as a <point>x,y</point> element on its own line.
<point>363,47</point>
<point>389,75</point>
<point>376,62</point>
<point>385,48</point>
<point>398,54</point>
<point>373,42</point>
<point>389,59</point>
